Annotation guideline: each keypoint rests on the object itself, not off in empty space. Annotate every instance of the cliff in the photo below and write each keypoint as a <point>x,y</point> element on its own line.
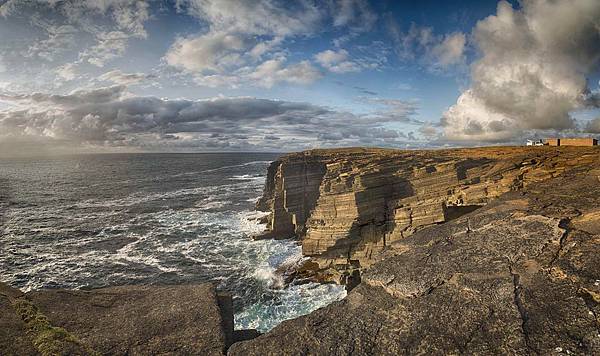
<point>519,275</point>
<point>347,205</point>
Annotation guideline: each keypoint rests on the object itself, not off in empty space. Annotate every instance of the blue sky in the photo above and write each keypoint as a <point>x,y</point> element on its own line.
<point>203,75</point>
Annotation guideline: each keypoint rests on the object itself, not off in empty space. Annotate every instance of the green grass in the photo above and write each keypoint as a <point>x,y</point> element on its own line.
<point>49,340</point>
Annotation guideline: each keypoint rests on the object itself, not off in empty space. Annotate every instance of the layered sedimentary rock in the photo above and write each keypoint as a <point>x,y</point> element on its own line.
<point>519,276</point>
<point>347,205</point>
<point>291,192</point>
<point>127,320</point>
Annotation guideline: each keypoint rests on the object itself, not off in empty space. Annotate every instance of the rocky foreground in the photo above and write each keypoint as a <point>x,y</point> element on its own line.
<point>126,320</point>
<point>470,251</point>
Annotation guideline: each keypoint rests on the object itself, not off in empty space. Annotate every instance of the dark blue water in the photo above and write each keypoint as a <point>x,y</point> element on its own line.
<point>100,220</point>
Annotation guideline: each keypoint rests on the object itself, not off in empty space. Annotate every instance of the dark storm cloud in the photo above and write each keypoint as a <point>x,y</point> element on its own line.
<point>114,117</point>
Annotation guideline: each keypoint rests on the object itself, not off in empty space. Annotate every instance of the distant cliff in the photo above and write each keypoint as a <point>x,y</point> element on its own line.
<point>347,205</point>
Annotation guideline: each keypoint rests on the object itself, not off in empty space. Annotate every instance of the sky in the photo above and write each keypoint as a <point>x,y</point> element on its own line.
<point>250,75</point>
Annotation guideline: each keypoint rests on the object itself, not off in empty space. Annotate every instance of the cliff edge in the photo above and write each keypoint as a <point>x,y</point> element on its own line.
<point>518,275</point>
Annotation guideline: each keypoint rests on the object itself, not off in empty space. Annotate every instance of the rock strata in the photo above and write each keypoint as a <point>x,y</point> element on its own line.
<point>520,275</point>
<point>347,205</point>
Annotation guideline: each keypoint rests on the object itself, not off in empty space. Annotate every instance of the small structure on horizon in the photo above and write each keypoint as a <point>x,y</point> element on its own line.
<point>535,143</point>
<point>588,141</point>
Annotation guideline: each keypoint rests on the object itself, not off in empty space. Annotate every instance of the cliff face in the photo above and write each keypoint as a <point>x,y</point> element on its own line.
<point>519,276</point>
<point>347,205</point>
<point>291,192</point>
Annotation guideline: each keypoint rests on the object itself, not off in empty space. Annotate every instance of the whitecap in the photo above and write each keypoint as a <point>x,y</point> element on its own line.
<point>292,302</point>
<point>247,177</point>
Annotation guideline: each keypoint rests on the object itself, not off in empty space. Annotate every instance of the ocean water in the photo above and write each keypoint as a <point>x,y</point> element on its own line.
<point>101,220</point>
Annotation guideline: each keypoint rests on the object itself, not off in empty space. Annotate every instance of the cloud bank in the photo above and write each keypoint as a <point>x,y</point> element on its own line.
<point>113,117</point>
<point>532,71</point>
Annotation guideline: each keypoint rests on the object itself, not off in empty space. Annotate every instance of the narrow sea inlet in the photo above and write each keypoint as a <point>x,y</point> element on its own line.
<point>93,221</point>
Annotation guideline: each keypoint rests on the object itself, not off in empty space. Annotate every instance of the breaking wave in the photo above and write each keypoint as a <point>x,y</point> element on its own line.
<point>190,231</point>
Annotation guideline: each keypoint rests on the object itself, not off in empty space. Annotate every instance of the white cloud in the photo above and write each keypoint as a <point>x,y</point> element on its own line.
<point>450,51</point>
<point>353,12</point>
<point>61,39</point>
<point>130,16</point>
<point>67,71</point>
<point>265,17</point>
<point>409,44</point>
<point>110,45</point>
<point>97,30</point>
<point>471,119</point>
<point>274,71</point>
<point>337,61</point>
<point>212,51</point>
<point>118,77</point>
<point>265,47</point>
<point>531,74</point>
<point>433,52</point>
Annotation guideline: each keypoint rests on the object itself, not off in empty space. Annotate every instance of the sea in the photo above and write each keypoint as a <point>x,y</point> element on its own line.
<point>91,221</point>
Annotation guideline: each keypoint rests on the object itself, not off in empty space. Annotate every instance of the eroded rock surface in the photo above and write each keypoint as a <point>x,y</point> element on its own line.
<point>520,275</point>
<point>127,320</point>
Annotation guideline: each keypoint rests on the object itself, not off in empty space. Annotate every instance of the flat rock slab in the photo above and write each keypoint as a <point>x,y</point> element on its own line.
<point>140,320</point>
<point>129,320</point>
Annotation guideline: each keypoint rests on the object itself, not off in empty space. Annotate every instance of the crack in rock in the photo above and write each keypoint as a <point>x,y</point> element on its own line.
<point>564,224</point>
<point>517,290</point>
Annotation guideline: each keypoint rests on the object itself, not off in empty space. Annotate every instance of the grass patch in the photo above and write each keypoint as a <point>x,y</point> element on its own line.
<point>49,340</point>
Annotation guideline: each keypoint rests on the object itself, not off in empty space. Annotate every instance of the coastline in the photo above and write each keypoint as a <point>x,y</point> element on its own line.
<point>469,280</point>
